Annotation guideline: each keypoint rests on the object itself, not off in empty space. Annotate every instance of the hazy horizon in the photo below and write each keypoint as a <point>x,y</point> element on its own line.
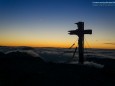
<point>57,47</point>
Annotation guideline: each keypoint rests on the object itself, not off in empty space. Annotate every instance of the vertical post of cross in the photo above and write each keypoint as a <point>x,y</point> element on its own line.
<point>81,41</point>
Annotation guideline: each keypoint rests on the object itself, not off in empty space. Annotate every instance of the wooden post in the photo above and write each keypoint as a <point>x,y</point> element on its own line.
<point>81,41</point>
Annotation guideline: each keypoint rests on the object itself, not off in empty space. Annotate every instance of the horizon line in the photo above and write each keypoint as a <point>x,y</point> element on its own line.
<point>52,47</point>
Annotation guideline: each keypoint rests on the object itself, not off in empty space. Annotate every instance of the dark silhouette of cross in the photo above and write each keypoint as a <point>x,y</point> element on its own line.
<point>80,33</point>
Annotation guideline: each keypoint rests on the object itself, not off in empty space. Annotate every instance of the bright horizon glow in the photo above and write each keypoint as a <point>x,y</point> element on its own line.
<point>60,45</point>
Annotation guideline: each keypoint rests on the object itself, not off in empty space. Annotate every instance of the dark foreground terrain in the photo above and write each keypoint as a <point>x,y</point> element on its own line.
<point>20,69</point>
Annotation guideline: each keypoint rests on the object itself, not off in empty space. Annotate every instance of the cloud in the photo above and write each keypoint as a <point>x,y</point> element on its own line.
<point>89,64</point>
<point>110,43</point>
<point>93,64</point>
<point>28,52</point>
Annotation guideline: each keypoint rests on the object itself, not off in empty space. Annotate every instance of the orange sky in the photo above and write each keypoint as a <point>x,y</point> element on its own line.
<point>51,43</point>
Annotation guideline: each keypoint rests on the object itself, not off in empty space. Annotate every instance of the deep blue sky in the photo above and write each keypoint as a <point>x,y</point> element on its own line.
<point>40,21</point>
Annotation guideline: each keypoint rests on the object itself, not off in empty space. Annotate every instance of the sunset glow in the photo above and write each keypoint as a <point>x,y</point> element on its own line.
<point>45,23</point>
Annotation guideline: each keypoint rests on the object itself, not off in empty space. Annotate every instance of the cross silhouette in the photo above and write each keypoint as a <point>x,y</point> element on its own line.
<point>80,33</point>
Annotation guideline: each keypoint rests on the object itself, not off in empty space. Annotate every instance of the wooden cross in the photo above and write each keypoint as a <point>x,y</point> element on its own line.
<point>80,33</point>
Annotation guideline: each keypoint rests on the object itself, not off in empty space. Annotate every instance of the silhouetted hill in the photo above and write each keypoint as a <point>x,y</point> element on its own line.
<point>2,54</point>
<point>19,57</point>
<point>22,69</point>
<point>10,48</point>
<point>28,48</point>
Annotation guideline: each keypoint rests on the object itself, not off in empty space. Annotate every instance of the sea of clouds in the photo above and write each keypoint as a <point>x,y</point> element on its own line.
<point>63,55</point>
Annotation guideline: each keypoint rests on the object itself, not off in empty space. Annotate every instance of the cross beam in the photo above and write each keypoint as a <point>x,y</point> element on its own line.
<point>80,33</point>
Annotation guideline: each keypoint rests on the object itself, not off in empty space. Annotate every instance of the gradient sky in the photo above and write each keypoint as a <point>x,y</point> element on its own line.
<point>44,23</point>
